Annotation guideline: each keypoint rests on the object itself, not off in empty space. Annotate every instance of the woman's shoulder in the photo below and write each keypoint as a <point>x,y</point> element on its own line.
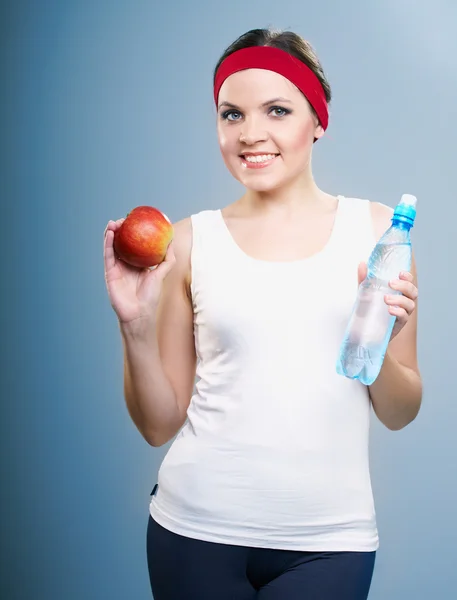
<point>184,235</point>
<point>381,216</point>
<point>380,213</point>
<point>184,228</point>
<point>182,232</point>
<point>377,208</point>
<point>182,245</point>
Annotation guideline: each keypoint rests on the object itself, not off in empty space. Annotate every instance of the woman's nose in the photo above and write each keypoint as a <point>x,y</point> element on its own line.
<point>252,132</point>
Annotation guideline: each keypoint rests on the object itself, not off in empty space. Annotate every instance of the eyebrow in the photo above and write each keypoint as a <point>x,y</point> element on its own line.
<point>272,101</point>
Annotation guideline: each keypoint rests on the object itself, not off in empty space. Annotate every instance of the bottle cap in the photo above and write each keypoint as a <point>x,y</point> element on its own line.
<point>409,200</point>
<point>406,209</point>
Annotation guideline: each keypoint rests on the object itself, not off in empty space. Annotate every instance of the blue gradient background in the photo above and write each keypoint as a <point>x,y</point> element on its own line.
<point>106,105</point>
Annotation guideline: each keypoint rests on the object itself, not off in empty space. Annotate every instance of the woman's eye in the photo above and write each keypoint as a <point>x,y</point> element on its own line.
<point>231,115</point>
<point>278,111</point>
<point>235,115</point>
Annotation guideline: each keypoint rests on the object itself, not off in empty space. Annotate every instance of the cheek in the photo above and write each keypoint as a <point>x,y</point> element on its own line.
<point>226,140</point>
<point>303,137</point>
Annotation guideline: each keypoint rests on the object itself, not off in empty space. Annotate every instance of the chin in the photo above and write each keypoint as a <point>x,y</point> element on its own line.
<point>257,185</point>
<point>258,182</point>
<point>266,182</point>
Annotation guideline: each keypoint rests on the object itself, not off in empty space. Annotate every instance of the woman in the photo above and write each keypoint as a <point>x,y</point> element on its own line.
<point>265,492</point>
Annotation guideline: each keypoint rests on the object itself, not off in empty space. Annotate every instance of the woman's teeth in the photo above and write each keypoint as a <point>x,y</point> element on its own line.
<point>259,158</point>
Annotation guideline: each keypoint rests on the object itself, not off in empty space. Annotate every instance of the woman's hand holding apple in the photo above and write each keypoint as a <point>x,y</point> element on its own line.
<point>131,247</point>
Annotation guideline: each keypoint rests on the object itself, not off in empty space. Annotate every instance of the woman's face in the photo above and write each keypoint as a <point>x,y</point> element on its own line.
<point>266,129</point>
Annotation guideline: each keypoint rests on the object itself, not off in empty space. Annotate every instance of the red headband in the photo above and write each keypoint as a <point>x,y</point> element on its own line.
<point>279,61</point>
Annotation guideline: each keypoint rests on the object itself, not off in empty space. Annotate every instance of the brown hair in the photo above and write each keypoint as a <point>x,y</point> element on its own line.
<point>284,40</point>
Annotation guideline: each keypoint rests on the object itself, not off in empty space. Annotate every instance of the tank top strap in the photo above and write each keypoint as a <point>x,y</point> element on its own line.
<point>353,226</point>
<point>207,254</point>
<point>207,231</point>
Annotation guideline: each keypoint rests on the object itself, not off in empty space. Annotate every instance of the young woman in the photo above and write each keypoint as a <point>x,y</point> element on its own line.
<point>265,493</point>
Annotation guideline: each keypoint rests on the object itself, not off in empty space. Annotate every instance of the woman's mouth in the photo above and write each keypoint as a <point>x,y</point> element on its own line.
<point>257,161</point>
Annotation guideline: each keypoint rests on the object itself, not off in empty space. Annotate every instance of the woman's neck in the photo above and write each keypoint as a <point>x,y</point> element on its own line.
<point>298,197</point>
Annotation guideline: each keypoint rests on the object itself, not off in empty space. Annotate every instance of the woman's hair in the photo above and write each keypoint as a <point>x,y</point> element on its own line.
<point>284,40</point>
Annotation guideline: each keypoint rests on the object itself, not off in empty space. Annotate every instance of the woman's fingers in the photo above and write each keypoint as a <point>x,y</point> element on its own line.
<point>402,302</point>
<point>109,226</point>
<point>113,225</point>
<point>108,250</point>
<point>405,286</point>
<point>108,235</point>
<point>168,262</point>
<point>108,247</point>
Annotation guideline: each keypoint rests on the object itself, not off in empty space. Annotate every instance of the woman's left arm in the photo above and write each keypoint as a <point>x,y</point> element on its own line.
<point>396,394</point>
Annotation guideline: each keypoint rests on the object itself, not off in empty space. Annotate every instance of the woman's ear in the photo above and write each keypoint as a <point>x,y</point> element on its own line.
<point>318,132</point>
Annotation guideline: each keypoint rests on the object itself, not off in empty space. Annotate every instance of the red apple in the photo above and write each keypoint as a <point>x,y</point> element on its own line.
<point>143,238</point>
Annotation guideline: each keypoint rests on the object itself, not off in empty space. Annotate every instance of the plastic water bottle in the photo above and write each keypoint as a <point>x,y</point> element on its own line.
<point>370,325</point>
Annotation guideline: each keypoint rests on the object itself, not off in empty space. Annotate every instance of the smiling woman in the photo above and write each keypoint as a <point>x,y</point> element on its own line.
<point>281,61</point>
<point>249,69</point>
<point>261,126</point>
<point>265,493</point>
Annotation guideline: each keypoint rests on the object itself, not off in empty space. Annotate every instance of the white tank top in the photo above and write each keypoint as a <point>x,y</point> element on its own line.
<point>274,452</point>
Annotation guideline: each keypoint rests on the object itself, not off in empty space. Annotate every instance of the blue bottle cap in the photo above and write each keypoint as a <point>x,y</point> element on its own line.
<point>406,208</point>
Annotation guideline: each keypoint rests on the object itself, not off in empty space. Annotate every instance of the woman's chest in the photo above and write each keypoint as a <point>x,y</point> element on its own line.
<point>261,305</point>
<point>281,242</point>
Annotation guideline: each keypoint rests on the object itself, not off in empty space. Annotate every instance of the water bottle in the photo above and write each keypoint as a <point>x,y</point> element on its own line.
<point>370,325</point>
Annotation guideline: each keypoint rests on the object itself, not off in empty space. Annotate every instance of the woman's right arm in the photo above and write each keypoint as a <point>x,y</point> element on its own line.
<point>158,343</point>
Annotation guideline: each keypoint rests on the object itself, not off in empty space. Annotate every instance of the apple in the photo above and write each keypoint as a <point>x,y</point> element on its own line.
<point>143,238</point>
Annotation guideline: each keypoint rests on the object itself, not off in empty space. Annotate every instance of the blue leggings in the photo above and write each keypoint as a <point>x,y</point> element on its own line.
<point>182,568</point>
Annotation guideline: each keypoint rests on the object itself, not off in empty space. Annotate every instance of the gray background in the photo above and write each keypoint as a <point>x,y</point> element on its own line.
<point>106,105</point>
